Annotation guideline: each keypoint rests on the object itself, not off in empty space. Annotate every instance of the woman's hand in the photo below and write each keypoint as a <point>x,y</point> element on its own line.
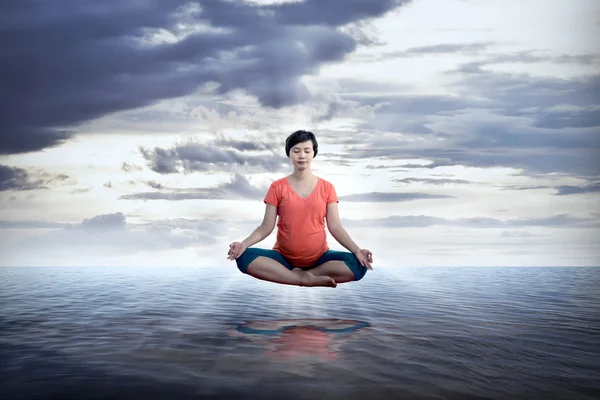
<point>364,257</point>
<point>236,249</point>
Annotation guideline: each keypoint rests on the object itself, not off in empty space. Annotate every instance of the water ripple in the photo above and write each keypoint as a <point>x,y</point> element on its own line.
<point>490,333</point>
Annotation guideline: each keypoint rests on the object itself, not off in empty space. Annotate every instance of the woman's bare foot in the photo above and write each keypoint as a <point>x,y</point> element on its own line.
<point>309,279</point>
<point>322,281</point>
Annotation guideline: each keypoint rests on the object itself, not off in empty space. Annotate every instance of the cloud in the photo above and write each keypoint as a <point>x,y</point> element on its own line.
<point>80,190</point>
<point>155,185</point>
<point>12,178</point>
<point>532,56</point>
<point>125,166</point>
<point>16,179</point>
<point>433,181</point>
<point>112,224</point>
<point>79,63</point>
<point>567,189</point>
<point>581,118</point>
<point>194,157</point>
<point>447,48</point>
<point>238,188</point>
<point>437,49</point>
<point>31,225</point>
<point>421,221</point>
<point>378,197</point>
<point>103,222</point>
<point>562,190</point>
<point>489,118</point>
<point>500,120</point>
<point>109,234</point>
<point>244,145</point>
<point>481,49</point>
<point>536,97</point>
<point>516,234</point>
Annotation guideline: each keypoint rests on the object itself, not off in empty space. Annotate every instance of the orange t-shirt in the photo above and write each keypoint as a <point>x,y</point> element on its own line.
<point>301,236</point>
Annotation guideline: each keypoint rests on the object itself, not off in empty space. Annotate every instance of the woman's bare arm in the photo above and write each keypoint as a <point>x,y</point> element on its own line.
<point>337,230</point>
<point>265,228</point>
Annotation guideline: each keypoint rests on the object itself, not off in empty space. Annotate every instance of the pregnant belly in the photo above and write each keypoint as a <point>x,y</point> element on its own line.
<point>304,245</point>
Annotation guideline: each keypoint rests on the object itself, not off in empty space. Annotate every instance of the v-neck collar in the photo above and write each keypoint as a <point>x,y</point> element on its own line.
<point>297,195</point>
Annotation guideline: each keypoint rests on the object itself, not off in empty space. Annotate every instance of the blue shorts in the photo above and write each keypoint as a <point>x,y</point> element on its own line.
<point>330,255</point>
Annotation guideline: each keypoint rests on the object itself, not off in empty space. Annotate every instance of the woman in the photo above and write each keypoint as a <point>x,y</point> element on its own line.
<point>301,255</point>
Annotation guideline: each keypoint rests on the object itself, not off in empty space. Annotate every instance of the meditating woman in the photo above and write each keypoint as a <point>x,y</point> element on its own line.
<point>301,255</point>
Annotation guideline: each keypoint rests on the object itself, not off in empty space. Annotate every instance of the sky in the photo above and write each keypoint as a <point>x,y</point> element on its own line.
<point>456,132</point>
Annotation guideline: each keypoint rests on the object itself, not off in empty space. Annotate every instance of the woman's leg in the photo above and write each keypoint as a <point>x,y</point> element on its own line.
<point>271,266</point>
<point>342,266</point>
<point>270,270</point>
<point>338,270</point>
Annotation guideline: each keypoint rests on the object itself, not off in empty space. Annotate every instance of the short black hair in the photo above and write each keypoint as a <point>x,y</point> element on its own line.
<point>299,137</point>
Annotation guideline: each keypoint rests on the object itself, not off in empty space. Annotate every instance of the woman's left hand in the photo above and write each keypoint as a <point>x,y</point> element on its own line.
<point>364,257</point>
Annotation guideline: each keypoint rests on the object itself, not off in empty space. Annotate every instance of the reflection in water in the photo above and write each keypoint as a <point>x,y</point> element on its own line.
<point>443,333</point>
<point>301,341</point>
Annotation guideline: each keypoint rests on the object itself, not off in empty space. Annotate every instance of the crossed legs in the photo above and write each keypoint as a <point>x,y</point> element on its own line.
<point>337,270</point>
<point>333,267</point>
<point>270,270</point>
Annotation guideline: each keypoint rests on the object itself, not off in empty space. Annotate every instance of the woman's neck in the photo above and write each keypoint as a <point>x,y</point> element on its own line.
<point>302,176</point>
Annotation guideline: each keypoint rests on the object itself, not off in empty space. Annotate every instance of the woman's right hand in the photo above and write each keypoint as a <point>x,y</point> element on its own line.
<point>235,250</point>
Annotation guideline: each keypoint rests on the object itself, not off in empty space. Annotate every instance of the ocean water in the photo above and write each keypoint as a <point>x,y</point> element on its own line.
<point>214,333</point>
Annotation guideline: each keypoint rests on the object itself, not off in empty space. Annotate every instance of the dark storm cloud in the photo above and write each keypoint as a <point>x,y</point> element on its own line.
<point>490,119</point>
<point>579,161</point>
<point>378,197</point>
<point>567,189</point>
<point>538,124</point>
<point>568,119</point>
<point>539,98</point>
<point>238,188</point>
<point>13,178</point>
<point>192,157</point>
<point>65,65</point>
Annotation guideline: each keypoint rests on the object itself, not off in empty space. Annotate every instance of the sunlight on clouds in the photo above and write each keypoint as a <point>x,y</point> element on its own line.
<point>190,17</point>
<point>403,95</point>
<point>560,25</point>
<point>454,246</point>
<point>546,69</point>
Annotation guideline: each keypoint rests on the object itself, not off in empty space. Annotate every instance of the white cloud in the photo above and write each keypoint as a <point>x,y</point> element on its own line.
<point>476,123</point>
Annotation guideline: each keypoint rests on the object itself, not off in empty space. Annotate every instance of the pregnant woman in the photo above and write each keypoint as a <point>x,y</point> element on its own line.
<point>301,255</point>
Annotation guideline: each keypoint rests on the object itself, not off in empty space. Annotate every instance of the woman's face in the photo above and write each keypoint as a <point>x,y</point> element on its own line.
<point>302,154</point>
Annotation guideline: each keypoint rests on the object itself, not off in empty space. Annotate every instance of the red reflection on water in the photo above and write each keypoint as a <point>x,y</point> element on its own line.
<point>287,340</point>
<point>302,341</point>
